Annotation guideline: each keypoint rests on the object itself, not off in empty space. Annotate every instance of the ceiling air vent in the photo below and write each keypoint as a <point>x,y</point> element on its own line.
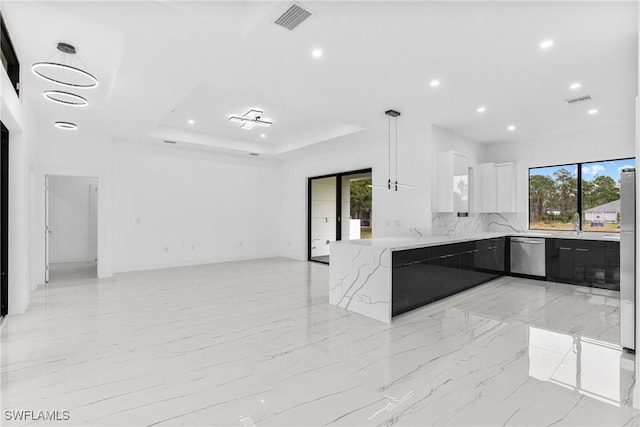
<point>293,17</point>
<point>579,99</point>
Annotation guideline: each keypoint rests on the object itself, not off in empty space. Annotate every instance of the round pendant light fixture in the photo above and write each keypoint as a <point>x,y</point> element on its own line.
<point>69,75</point>
<point>66,125</point>
<point>66,98</point>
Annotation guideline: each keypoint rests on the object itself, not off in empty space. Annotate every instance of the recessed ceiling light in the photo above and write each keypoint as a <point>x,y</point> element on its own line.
<point>316,53</point>
<point>191,121</point>
<point>593,111</point>
<point>481,109</point>
<point>435,83</point>
<point>575,86</point>
<point>511,128</point>
<point>262,135</point>
<point>546,44</point>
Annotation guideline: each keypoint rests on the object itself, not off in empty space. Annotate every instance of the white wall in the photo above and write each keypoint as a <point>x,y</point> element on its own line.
<point>178,206</point>
<point>17,119</point>
<point>394,213</point>
<point>79,154</point>
<point>612,142</point>
<point>71,207</point>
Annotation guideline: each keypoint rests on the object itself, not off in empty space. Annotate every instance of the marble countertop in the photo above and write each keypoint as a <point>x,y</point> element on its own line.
<point>400,243</point>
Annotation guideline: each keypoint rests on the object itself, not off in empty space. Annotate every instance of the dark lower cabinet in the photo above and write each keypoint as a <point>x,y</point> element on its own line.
<point>584,262</point>
<point>424,275</point>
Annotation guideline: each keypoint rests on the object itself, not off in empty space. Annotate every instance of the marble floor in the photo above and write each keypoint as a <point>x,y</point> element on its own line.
<point>72,272</point>
<point>256,343</point>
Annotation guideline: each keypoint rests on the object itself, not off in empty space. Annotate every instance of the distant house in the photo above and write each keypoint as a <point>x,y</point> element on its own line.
<point>603,213</point>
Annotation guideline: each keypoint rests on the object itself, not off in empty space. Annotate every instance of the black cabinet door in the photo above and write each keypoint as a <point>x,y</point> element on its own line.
<point>589,263</point>
<point>612,265</point>
<point>559,255</point>
<point>421,276</point>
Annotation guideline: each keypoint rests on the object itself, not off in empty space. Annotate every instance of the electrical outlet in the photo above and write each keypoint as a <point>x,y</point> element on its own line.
<point>137,220</point>
<point>397,223</point>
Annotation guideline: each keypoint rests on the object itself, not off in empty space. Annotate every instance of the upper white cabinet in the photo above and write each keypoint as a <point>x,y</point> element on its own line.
<point>452,182</point>
<point>494,188</point>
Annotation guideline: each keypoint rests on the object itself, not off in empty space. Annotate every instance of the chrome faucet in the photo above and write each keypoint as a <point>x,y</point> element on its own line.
<point>576,223</point>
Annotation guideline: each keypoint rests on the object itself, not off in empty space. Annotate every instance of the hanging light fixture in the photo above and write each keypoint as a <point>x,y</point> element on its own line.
<point>66,71</point>
<point>392,185</point>
<point>66,125</point>
<point>66,98</point>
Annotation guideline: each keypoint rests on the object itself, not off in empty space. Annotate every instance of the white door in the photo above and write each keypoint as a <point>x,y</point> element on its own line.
<point>47,230</point>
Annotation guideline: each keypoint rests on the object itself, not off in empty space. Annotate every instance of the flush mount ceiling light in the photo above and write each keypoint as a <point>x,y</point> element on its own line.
<point>546,44</point>
<point>250,119</point>
<point>593,111</point>
<point>511,128</point>
<point>191,121</point>
<point>393,114</point>
<point>575,86</point>
<point>66,125</point>
<point>316,53</point>
<point>435,83</point>
<point>481,109</point>
<point>66,71</point>
<point>65,98</point>
<point>262,135</point>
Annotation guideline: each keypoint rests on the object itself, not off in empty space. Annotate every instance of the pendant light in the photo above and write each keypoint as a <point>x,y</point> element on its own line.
<point>66,71</point>
<point>392,185</point>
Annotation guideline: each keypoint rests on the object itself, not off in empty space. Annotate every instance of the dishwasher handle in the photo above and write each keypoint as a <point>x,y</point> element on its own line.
<point>528,240</point>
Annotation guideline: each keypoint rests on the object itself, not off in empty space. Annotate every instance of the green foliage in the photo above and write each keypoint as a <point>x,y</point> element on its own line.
<point>360,197</point>
<point>555,199</point>
<point>602,189</point>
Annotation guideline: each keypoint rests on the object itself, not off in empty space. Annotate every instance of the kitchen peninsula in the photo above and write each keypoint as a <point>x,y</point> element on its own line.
<point>381,278</point>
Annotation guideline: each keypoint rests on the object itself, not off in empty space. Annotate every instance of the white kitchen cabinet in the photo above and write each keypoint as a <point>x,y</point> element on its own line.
<point>505,187</point>
<point>494,188</point>
<point>452,182</point>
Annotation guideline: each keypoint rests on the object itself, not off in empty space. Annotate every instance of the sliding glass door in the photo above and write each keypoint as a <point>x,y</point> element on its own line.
<point>339,207</point>
<point>4,220</point>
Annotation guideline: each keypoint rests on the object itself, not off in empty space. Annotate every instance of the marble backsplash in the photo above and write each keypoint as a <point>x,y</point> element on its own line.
<point>448,224</point>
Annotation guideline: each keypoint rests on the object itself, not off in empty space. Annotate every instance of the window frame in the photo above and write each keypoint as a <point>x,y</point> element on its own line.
<point>579,189</point>
<point>13,65</point>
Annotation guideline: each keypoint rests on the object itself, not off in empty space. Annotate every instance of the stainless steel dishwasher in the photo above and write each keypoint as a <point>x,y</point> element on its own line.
<point>528,256</point>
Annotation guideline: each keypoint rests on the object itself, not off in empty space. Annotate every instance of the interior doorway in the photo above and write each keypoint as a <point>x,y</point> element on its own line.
<point>4,220</point>
<point>339,208</point>
<point>71,228</point>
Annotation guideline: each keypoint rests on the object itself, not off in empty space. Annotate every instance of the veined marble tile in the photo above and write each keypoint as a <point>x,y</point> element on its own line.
<point>257,343</point>
<point>360,279</point>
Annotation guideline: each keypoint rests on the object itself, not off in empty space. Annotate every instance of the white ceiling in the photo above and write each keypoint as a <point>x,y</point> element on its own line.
<point>161,63</point>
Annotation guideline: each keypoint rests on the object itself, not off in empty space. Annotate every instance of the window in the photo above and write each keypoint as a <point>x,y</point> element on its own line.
<point>9,57</point>
<point>553,197</point>
<point>583,193</point>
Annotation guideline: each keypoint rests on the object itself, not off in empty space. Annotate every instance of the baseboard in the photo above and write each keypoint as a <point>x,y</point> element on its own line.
<point>67,260</point>
<point>192,263</point>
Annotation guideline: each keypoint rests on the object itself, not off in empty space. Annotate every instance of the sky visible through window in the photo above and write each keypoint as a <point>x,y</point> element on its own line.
<point>554,190</point>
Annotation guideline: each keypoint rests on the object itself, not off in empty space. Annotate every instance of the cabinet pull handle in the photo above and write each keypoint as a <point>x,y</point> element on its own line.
<point>582,250</point>
<point>565,249</point>
<point>450,255</point>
